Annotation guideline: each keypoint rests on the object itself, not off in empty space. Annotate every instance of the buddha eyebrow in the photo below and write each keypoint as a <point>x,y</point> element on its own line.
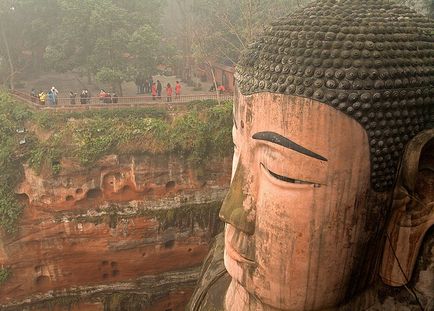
<point>285,142</point>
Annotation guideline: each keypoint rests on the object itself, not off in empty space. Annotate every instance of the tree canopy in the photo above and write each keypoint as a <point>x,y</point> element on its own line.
<point>108,39</point>
<point>117,40</point>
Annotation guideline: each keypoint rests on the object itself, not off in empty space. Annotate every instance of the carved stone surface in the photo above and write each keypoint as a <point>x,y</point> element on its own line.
<point>212,288</point>
<point>373,60</point>
<point>412,212</point>
<point>329,99</point>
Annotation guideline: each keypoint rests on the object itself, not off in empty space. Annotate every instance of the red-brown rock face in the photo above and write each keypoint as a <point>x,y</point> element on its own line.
<point>131,224</point>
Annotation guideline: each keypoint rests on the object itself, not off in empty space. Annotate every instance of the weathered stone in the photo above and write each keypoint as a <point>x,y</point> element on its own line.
<point>92,230</point>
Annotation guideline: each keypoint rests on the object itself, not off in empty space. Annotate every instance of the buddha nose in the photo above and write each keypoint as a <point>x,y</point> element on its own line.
<point>232,210</point>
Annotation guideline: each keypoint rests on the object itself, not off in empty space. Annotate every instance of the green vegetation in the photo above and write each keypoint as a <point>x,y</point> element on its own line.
<point>200,133</point>
<point>112,41</point>
<point>5,273</point>
<point>10,210</point>
<point>12,118</point>
<point>117,41</point>
<point>88,136</point>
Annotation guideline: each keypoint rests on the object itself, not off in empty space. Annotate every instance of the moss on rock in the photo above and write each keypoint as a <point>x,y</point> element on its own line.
<point>203,132</point>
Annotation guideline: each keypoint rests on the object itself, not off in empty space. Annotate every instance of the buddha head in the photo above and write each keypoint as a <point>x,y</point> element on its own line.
<point>328,99</point>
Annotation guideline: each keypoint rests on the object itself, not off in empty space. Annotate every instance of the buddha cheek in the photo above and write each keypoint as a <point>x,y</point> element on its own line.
<point>284,231</point>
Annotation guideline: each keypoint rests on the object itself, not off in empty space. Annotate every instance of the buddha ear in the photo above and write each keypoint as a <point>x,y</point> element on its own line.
<point>412,210</point>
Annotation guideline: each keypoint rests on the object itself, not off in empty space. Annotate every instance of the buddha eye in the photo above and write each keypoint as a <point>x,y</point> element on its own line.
<point>288,179</point>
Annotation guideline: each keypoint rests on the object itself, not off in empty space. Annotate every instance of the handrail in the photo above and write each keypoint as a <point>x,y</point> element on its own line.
<point>119,102</point>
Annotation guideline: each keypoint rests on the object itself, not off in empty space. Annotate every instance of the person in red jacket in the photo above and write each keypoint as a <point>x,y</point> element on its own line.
<point>177,90</point>
<point>169,92</point>
<point>221,89</point>
<point>153,90</point>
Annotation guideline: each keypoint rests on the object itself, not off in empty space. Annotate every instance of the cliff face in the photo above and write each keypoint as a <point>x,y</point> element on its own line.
<point>128,233</point>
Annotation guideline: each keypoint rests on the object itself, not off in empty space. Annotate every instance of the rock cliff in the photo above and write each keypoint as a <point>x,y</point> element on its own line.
<point>128,233</point>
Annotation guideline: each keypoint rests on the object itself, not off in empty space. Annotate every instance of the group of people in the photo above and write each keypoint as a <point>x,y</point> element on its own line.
<point>42,97</point>
<point>85,97</point>
<point>143,84</point>
<point>107,98</point>
<point>157,88</point>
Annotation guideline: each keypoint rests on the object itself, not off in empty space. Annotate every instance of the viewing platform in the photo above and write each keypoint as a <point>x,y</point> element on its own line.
<point>96,103</point>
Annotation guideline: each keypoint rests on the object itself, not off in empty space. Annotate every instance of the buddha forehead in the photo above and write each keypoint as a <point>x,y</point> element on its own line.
<point>306,126</point>
<point>371,60</point>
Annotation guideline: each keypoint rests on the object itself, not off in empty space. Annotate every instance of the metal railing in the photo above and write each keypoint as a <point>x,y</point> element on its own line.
<point>78,103</point>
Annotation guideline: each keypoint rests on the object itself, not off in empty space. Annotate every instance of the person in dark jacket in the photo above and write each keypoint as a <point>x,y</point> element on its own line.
<point>114,98</point>
<point>72,96</point>
<point>83,97</point>
<point>159,89</point>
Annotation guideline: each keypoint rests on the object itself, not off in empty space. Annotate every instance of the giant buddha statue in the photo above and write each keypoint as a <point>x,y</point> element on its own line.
<point>333,171</point>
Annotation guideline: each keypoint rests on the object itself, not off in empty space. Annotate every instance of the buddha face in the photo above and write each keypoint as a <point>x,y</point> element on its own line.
<point>299,212</point>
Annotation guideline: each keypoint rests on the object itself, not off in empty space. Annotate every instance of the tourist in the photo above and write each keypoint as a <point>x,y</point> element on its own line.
<point>104,97</point>
<point>51,98</point>
<point>221,89</point>
<point>83,97</point>
<point>72,96</point>
<point>114,98</point>
<point>101,95</point>
<point>55,97</point>
<point>139,82</point>
<point>33,96</point>
<point>169,92</point>
<point>87,93</point>
<point>55,94</point>
<point>107,98</point>
<point>213,87</point>
<point>177,90</point>
<point>159,89</point>
<point>153,90</point>
<point>42,97</point>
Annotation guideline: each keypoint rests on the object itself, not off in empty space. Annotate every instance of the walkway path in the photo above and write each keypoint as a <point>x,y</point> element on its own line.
<point>64,104</point>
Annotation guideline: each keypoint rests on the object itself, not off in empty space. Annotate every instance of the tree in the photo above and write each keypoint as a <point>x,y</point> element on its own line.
<point>424,7</point>
<point>220,30</point>
<point>226,27</point>
<point>110,39</point>
<point>144,50</point>
<point>25,27</point>
<point>6,51</point>
<point>112,76</point>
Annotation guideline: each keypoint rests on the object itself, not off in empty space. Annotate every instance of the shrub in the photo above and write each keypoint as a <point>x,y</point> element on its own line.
<point>5,273</point>
<point>10,211</point>
<point>12,116</point>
